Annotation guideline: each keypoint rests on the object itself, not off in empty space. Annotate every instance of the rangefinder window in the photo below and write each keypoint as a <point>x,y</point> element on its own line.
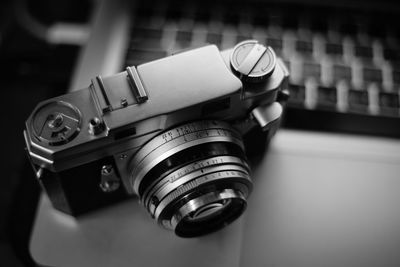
<point>216,106</point>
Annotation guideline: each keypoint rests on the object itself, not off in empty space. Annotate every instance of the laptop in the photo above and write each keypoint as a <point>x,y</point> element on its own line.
<point>327,190</point>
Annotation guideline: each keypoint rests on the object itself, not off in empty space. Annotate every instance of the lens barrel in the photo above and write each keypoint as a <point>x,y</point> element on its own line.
<point>194,178</point>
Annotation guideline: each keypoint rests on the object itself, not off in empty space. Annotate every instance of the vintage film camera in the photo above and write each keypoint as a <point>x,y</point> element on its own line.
<point>172,132</point>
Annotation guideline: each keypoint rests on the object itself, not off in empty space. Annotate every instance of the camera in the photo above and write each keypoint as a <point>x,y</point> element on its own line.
<point>175,132</point>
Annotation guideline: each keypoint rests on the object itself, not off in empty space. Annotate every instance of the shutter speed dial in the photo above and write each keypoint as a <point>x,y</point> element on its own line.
<point>252,62</point>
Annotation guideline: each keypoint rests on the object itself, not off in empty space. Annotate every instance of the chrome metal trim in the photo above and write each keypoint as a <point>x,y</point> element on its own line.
<point>217,176</point>
<point>168,143</point>
<point>168,188</point>
<point>187,170</point>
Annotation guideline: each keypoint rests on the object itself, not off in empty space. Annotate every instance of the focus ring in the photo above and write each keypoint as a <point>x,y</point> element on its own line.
<point>181,138</point>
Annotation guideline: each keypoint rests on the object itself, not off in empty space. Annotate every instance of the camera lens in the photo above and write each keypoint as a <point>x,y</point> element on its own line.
<point>194,178</point>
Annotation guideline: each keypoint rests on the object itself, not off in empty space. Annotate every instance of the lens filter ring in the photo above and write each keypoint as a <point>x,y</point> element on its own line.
<point>208,212</point>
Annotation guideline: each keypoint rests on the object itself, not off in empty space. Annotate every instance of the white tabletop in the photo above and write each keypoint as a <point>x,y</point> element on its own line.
<point>319,200</point>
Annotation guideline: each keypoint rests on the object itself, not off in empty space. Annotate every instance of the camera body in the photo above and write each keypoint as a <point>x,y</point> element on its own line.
<point>169,131</point>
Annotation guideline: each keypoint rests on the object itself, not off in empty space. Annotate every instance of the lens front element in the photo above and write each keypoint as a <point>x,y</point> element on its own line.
<point>193,179</point>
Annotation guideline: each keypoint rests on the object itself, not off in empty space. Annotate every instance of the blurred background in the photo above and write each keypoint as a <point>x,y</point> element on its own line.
<point>344,59</point>
<point>35,64</point>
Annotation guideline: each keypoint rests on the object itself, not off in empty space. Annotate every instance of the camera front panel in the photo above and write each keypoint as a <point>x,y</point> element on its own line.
<point>81,189</point>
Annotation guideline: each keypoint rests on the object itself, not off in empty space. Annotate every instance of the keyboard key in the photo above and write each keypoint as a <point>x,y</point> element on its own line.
<point>184,38</point>
<point>341,72</point>
<point>358,101</point>
<point>371,74</point>
<point>146,39</point>
<point>214,38</point>
<point>334,49</point>
<point>389,103</point>
<point>140,33</point>
<point>327,98</point>
<point>304,47</point>
<point>391,54</point>
<point>297,95</point>
<point>363,51</point>
<point>396,77</point>
<point>311,69</point>
<point>136,57</point>
<point>147,45</point>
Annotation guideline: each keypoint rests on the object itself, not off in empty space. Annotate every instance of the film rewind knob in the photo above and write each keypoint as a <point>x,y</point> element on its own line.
<point>252,62</point>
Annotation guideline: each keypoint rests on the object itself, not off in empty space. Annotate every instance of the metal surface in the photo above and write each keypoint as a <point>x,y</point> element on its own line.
<point>253,62</point>
<point>205,206</point>
<point>137,86</point>
<point>267,116</point>
<point>191,172</point>
<point>96,126</point>
<point>178,139</point>
<point>109,180</point>
<point>226,174</point>
<point>187,173</point>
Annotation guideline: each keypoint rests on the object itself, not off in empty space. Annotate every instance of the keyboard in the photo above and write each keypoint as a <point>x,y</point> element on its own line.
<point>344,62</point>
